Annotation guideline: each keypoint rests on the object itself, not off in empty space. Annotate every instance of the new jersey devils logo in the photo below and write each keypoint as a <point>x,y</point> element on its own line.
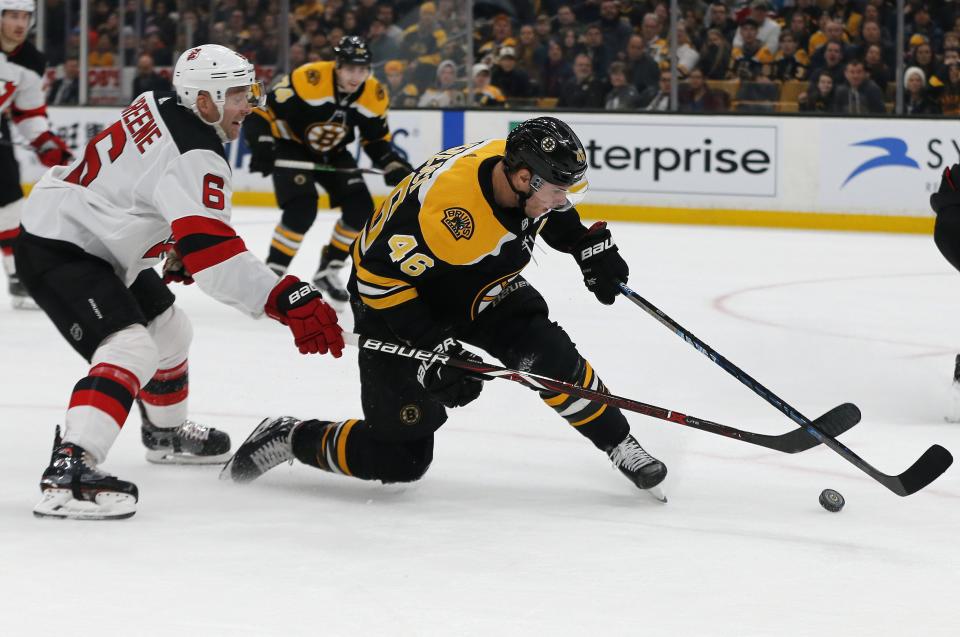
<point>157,250</point>
<point>194,54</point>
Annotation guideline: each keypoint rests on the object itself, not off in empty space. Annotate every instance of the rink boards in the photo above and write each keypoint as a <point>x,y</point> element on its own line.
<point>827,173</point>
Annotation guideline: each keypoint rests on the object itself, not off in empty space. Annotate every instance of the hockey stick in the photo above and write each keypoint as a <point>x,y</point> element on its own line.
<point>838,419</point>
<point>925,470</point>
<point>293,164</point>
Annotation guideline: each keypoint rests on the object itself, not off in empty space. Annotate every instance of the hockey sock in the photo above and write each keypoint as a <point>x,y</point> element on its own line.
<point>283,247</point>
<point>348,447</point>
<point>164,399</point>
<point>98,408</point>
<point>340,240</point>
<point>604,425</point>
<point>7,239</point>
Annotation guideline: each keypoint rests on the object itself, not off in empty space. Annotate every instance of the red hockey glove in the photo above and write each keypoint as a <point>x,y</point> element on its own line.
<point>51,150</point>
<point>174,271</point>
<point>299,306</point>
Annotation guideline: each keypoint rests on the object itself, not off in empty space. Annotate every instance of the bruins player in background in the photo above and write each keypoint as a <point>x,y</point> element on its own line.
<point>311,116</point>
<point>439,264</point>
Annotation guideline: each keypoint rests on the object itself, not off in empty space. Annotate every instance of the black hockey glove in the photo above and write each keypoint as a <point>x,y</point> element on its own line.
<point>600,261</point>
<point>395,170</point>
<point>262,155</point>
<point>948,195</point>
<point>174,271</point>
<point>452,386</point>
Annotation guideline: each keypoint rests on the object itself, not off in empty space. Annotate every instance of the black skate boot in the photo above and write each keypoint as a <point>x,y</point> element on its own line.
<point>189,443</point>
<point>270,444</point>
<point>73,487</point>
<point>640,467</point>
<point>327,280</point>
<point>19,297</point>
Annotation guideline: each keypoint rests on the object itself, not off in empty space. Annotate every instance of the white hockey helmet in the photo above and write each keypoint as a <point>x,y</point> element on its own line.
<point>20,5</point>
<point>214,69</point>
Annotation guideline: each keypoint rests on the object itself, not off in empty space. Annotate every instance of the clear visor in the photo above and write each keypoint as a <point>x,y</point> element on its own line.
<point>255,95</point>
<point>562,198</point>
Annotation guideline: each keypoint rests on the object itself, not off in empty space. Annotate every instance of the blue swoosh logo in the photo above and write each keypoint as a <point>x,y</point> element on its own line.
<point>896,155</point>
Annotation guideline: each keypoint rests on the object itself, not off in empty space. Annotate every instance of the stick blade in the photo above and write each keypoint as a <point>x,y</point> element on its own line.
<point>925,470</point>
<point>833,423</point>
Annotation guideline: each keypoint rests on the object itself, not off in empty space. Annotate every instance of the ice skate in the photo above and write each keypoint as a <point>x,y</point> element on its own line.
<point>189,443</point>
<point>327,280</point>
<point>269,445</point>
<point>640,467</point>
<point>19,297</point>
<point>74,488</point>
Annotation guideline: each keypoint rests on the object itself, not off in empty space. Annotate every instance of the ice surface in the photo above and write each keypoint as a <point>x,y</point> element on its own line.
<point>521,527</point>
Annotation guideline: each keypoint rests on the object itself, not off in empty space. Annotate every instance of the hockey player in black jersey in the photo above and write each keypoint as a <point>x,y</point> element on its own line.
<point>311,116</point>
<point>439,264</point>
<point>21,101</point>
<point>156,182</point>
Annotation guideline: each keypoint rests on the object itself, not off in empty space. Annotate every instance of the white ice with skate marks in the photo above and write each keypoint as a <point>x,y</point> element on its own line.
<point>521,527</point>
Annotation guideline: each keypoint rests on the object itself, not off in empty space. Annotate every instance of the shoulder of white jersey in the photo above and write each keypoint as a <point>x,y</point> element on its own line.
<point>313,82</point>
<point>188,132</point>
<point>373,100</point>
<point>29,57</point>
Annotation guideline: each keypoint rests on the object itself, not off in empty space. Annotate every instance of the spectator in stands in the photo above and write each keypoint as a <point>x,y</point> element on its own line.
<point>657,47</point>
<point>687,56</point>
<point>555,71</point>
<point>297,56</point>
<point>403,94</point>
<point>718,18</point>
<point>102,54</point>
<point>583,90</point>
<point>657,98</point>
<point>872,35</point>
<point>916,99</point>
<point>156,47</point>
<point>128,38</point>
<point>922,57</point>
<point>951,40</point>
<point>597,49</point>
<point>832,62</point>
<point>642,71</point>
<point>615,30</point>
<point>512,81</point>
<point>387,15</point>
<point>252,43</point>
<point>382,47</point>
<point>543,28</point>
<point>696,97</point>
<point>800,29</point>
<point>501,36</point>
<point>790,62</point>
<point>949,94</point>
<point>848,14</point>
<point>859,95</point>
<point>768,31</point>
<point>748,61</point>
<point>923,25</point>
<point>159,17</point>
<point>306,8</point>
<point>566,19</point>
<point>715,56</point>
<point>819,97</point>
<point>421,44</point>
<point>483,93</point>
<point>147,79</point>
<point>834,33</point>
<point>446,91</point>
<point>623,95</point>
<point>527,53</point>
<point>571,44</point>
<point>876,68</point>
<point>65,91</point>
<point>366,14</point>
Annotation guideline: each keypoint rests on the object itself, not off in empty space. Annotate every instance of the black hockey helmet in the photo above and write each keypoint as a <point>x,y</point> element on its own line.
<point>549,148</point>
<point>352,49</point>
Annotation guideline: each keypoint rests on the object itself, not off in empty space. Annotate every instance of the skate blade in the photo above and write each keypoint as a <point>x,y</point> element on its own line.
<point>165,456</point>
<point>109,505</point>
<point>657,494</point>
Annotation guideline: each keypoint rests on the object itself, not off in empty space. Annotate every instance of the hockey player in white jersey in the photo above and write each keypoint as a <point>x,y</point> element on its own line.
<point>22,101</point>
<point>154,182</point>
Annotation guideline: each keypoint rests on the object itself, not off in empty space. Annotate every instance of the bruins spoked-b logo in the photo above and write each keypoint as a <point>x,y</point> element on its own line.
<point>459,222</point>
<point>548,144</point>
<point>323,136</point>
<point>410,414</point>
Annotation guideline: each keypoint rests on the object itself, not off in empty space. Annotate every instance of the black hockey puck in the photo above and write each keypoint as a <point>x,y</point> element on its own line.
<point>831,500</point>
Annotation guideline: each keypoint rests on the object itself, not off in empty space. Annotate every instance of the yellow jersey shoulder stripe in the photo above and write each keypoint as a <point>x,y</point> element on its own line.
<point>392,300</point>
<point>373,101</point>
<point>313,82</point>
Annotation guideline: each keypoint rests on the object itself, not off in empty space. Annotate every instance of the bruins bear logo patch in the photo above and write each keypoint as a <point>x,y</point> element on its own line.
<point>459,222</point>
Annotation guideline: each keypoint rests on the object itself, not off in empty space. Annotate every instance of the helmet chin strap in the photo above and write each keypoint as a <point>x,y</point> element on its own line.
<point>522,196</point>
<point>217,125</point>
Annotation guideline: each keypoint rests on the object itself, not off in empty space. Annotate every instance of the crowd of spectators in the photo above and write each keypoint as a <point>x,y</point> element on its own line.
<point>835,56</point>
